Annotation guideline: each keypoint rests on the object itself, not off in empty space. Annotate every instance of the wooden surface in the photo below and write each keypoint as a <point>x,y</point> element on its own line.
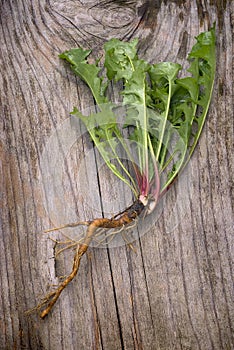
<point>175,292</point>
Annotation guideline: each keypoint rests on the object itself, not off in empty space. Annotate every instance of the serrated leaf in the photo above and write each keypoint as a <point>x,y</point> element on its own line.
<point>89,73</point>
<point>119,57</point>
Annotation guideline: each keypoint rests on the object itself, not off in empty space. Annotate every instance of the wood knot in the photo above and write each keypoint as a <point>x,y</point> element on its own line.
<point>113,16</point>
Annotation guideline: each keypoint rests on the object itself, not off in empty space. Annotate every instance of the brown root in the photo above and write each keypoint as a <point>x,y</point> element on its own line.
<point>118,222</point>
<point>53,297</point>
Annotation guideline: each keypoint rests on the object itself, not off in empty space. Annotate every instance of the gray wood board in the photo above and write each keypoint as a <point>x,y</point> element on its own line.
<point>175,291</point>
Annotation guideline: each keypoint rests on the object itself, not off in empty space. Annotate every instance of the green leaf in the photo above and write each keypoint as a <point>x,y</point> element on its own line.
<point>89,73</point>
<point>191,99</point>
<point>164,71</point>
<point>119,58</point>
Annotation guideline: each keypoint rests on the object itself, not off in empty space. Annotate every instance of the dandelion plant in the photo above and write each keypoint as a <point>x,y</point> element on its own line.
<point>162,113</point>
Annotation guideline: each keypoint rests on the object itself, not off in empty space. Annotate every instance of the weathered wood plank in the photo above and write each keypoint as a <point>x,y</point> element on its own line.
<point>175,292</point>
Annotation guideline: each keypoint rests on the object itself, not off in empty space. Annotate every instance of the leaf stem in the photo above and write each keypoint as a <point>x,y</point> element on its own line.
<point>133,188</point>
<point>164,122</point>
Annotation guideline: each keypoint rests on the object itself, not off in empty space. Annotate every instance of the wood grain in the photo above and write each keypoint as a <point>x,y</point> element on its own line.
<point>175,292</point>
